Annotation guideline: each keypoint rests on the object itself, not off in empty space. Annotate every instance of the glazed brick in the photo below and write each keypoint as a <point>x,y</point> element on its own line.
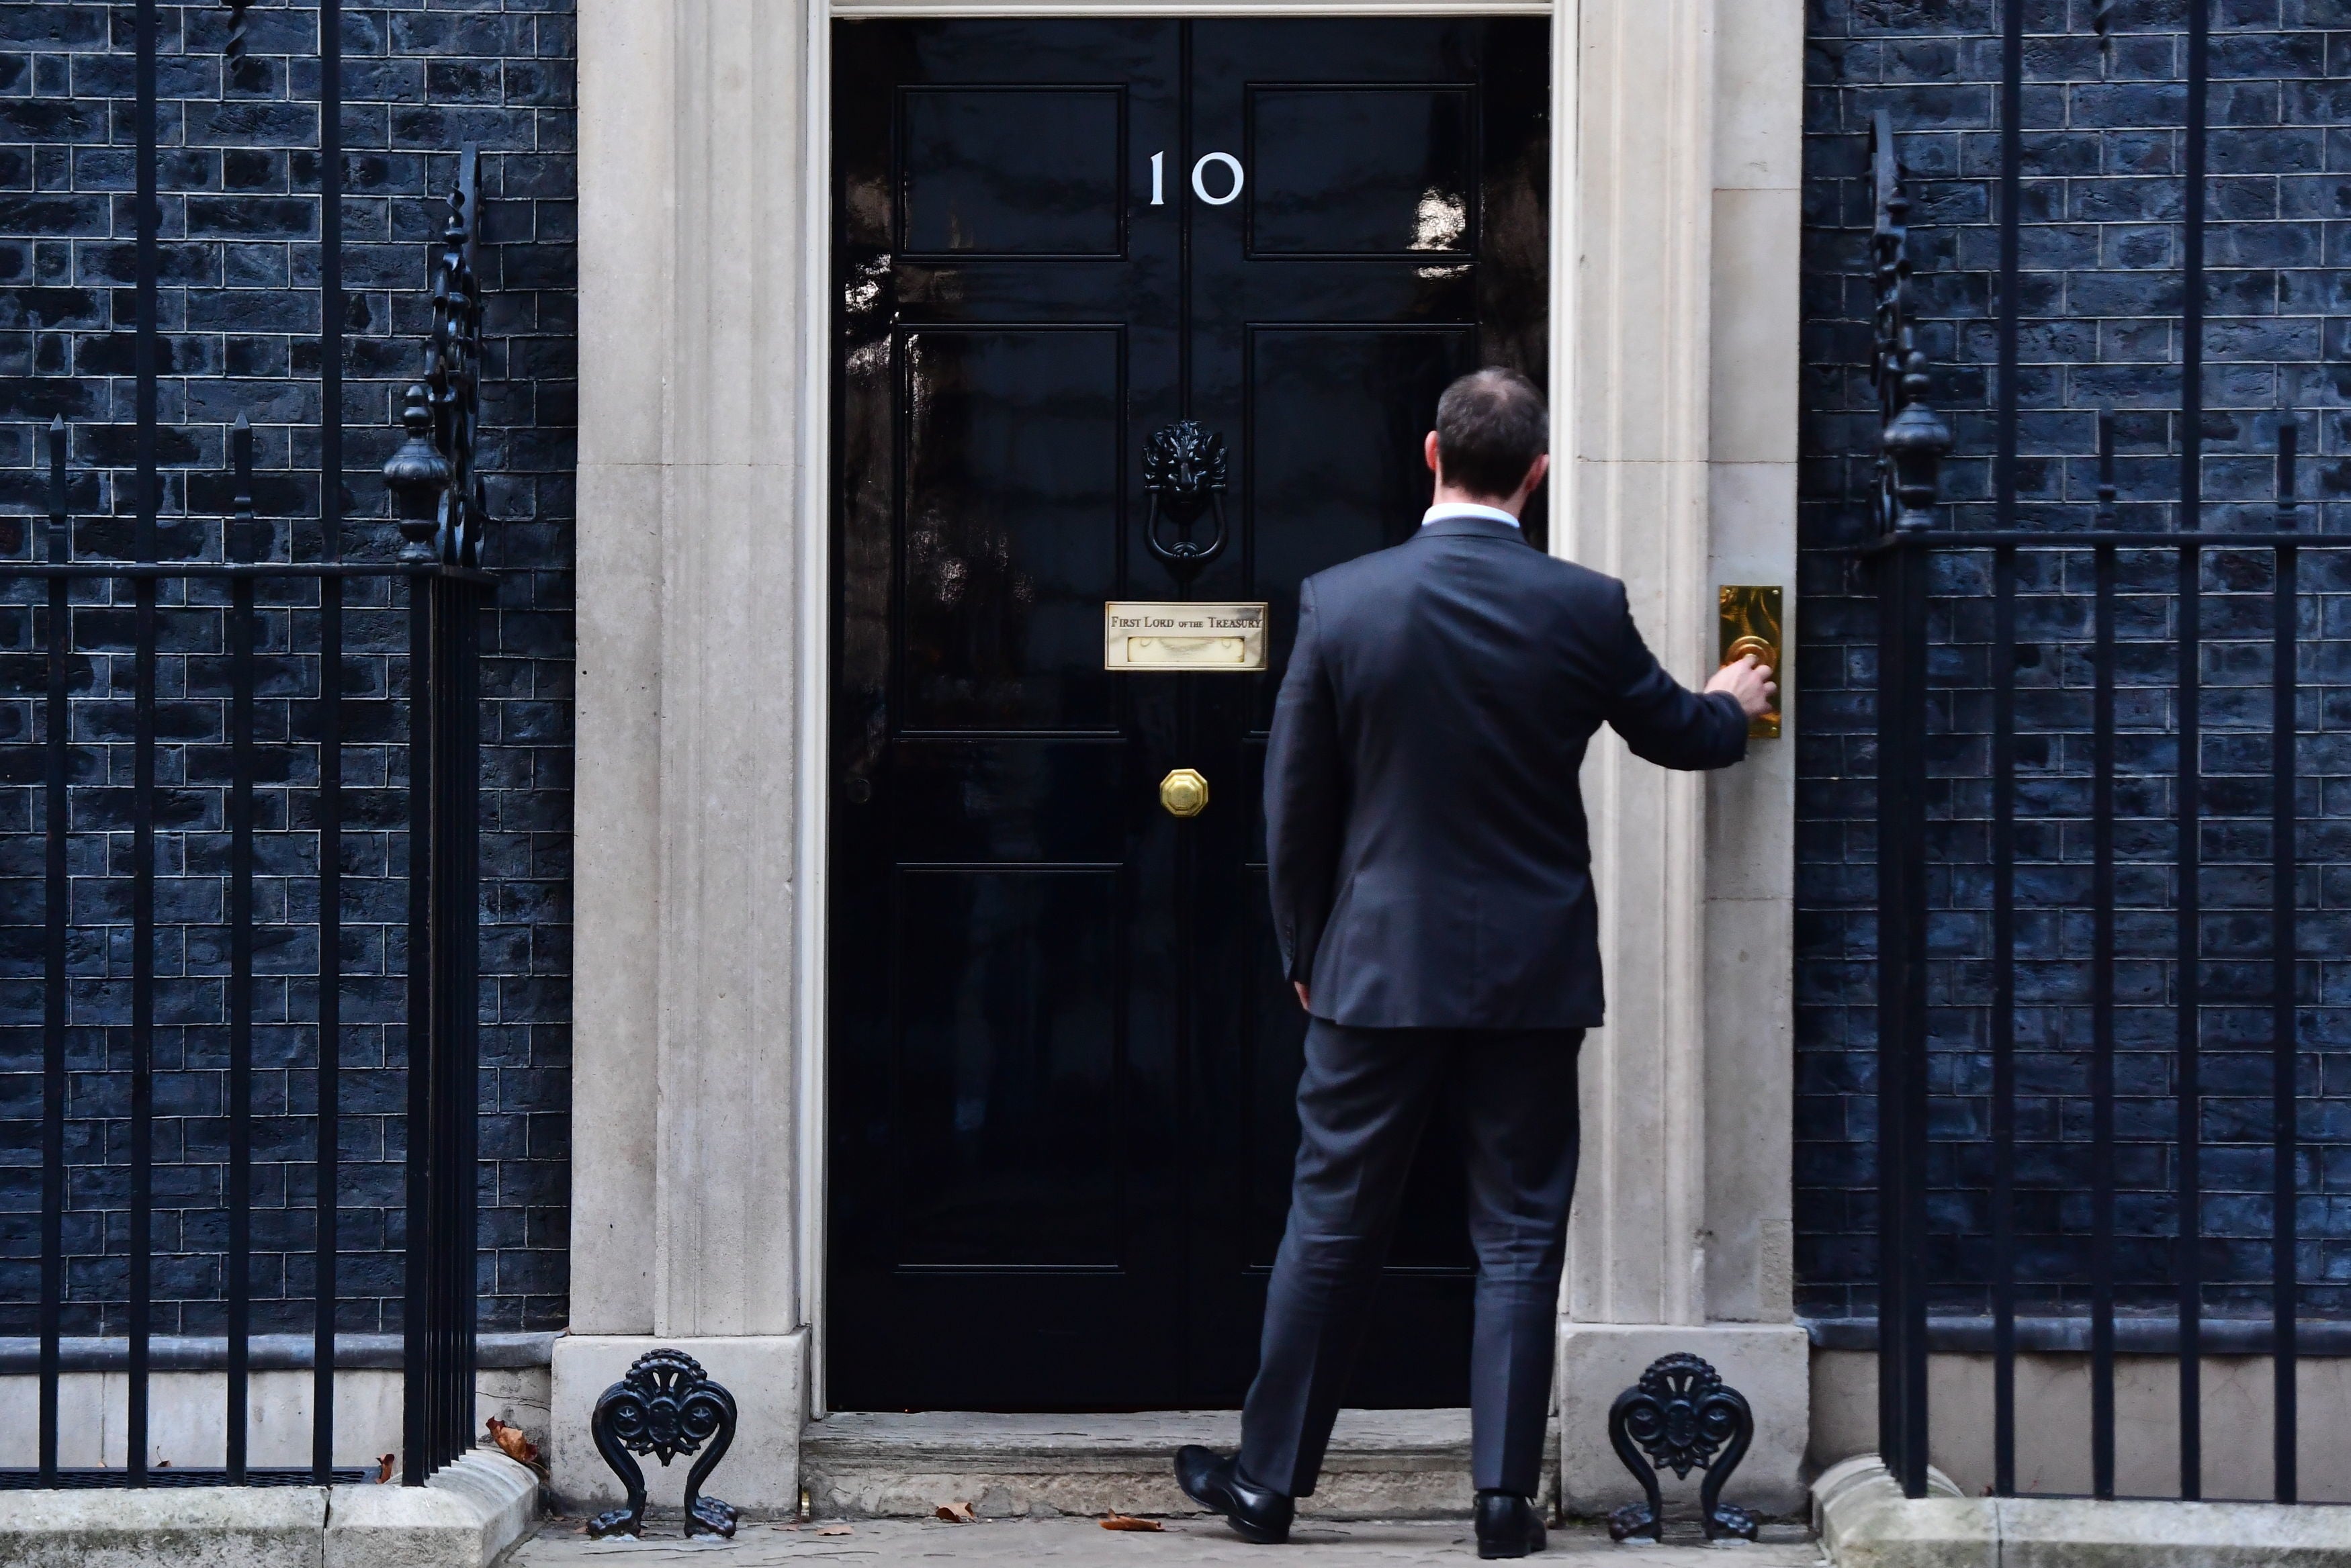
<point>239,172</point>
<point>2100,295</point>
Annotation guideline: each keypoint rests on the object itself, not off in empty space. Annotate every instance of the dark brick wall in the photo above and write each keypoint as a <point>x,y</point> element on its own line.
<point>239,308</point>
<point>2103,151</point>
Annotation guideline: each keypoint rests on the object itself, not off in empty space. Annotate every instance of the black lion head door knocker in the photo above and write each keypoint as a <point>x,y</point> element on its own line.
<point>1186,470</point>
<point>1688,1418</point>
<point>665,1406</point>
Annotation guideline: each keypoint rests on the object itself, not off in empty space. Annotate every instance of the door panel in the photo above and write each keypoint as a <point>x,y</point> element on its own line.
<point>1064,1058</point>
<point>1362,172</point>
<point>1012,171</point>
<point>1336,415</point>
<point>1010,524</point>
<point>1008,1066</point>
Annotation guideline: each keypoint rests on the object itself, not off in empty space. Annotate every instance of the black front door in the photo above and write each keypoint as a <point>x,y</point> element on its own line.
<point>1062,1055</point>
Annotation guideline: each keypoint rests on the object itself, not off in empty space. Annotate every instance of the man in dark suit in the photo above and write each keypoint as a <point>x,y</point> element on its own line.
<point>1432,891</point>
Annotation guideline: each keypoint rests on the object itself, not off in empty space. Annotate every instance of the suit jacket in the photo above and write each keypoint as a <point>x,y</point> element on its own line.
<point>1430,863</point>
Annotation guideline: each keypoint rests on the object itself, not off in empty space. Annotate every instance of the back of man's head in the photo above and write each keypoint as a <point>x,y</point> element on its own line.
<point>1491,425</point>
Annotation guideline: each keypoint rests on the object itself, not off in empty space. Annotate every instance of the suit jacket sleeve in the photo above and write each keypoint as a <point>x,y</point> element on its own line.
<point>1304,798</point>
<point>1662,720</point>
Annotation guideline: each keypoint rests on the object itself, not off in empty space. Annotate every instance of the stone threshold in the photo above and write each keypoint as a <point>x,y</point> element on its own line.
<point>470,1515</point>
<point>1381,1464</point>
<point>1865,1521</point>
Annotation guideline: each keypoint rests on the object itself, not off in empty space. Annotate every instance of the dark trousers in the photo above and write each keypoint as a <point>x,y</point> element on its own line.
<point>1362,1101</point>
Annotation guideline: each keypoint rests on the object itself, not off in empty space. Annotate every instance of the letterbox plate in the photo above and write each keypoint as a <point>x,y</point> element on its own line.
<point>1207,638</point>
<point>1750,622</point>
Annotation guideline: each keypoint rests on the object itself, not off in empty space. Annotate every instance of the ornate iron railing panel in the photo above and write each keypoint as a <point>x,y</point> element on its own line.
<point>2082,645</point>
<point>194,702</point>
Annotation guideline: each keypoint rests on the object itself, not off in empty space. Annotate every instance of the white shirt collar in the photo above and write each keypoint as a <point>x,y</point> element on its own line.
<point>1465,509</point>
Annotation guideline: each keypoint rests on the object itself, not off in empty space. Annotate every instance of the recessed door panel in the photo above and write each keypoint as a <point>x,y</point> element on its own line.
<point>1010,524</point>
<point>1363,170</point>
<point>1063,1059</point>
<point>1007,1124</point>
<point>1336,418</point>
<point>1011,171</point>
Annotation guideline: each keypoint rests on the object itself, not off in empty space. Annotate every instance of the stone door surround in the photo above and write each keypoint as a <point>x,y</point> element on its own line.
<point>697,1184</point>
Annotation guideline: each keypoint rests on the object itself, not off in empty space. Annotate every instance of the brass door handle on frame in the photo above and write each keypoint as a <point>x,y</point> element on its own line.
<point>1748,622</point>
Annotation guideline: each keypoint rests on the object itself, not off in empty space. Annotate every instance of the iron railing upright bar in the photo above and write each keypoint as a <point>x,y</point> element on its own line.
<point>238,543</point>
<point>145,500</point>
<point>325,1237</point>
<point>2102,988</point>
<point>2004,759</point>
<point>443,1037</point>
<point>2190,783</point>
<point>2003,1021</point>
<point>1912,441</point>
<point>2187,1262</point>
<point>325,1241</point>
<point>57,914</point>
<point>465,986</point>
<point>454,952</point>
<point>2284,1297</point>
<point>2188,1258</point>
<point>331,280</point>
<point>1902,950</point>
<point>418,1390</point>
<point>142,1025</point>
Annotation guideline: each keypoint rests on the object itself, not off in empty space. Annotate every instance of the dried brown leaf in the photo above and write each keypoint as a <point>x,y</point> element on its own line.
<point>957,1512</point>
<point>836,1529</point>
<point>512,1443</point>
<point>1128,1522</point>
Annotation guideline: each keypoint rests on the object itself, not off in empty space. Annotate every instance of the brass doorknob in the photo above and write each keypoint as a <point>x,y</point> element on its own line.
<point>1183,792</point>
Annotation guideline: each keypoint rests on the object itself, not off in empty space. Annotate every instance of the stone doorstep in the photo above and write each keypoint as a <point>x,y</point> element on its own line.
<point>469,1516</point>
<point>1382,1464</point>
<point>1865,1521</point>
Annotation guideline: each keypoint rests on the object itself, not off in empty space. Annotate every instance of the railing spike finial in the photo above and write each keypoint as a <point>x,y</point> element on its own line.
<point>437,490</point>
<point>60,528</point>
<point>418,475</point>
<point>2108,490</point>
<point>243,542</point>
<point>2289,448</point>
<point>234,48</point>
<point>1912,437</point>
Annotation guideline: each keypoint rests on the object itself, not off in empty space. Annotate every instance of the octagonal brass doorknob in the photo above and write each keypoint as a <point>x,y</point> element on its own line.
<point>1183,792</point>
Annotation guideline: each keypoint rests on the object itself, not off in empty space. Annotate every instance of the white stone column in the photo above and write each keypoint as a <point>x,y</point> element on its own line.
<point>1682,332</point>
<point>684,1146</point>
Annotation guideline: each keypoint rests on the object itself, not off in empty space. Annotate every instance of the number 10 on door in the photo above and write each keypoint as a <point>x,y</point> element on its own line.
<point>1232,166</point>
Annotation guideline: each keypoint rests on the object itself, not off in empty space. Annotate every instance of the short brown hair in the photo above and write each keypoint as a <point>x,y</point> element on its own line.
<point>1491,425</point>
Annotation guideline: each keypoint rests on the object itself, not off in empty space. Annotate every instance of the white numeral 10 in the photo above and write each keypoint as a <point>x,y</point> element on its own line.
<point>1199,185</point>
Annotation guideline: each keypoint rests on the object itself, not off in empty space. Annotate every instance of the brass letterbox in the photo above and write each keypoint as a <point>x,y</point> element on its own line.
<point>1750,622</point>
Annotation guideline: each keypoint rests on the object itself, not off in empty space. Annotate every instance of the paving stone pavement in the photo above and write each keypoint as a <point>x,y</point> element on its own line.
<point>1083,1544</point>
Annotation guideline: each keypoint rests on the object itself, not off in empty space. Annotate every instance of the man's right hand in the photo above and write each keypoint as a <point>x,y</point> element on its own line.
<point>1748,681</point>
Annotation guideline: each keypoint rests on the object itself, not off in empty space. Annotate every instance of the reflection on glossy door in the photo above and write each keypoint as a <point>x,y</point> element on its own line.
<point>1062,1055</point>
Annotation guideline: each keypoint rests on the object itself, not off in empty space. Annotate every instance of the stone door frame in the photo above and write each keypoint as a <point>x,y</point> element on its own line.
<point>698,1200</point>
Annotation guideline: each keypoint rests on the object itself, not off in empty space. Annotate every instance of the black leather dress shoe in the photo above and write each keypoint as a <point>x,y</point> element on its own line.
<point>1508,1525</point>
<point>1218,1485</point>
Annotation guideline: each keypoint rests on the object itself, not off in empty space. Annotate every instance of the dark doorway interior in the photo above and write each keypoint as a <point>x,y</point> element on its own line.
<point>1062,1056</point>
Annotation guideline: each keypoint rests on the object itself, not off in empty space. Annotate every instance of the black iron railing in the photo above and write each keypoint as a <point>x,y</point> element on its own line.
<point>226,619</point>
<point>1939,587</point>
<point>160,690</point>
